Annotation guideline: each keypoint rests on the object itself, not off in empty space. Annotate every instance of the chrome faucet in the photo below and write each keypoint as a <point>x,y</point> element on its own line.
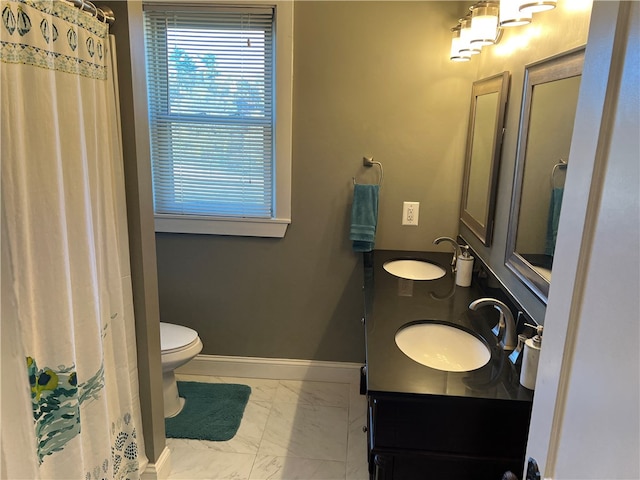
<point>505,330</point>
<point>456,249</point>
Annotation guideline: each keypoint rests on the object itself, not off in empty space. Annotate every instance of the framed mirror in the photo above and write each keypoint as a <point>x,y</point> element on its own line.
<point>549,101</point>
<point>484,144</point>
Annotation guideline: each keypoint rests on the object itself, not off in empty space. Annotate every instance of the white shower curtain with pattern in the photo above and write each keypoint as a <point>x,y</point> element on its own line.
<point>69,394</point>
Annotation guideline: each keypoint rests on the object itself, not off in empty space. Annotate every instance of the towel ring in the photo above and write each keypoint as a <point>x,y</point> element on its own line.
<point>369,162</point>
<point>561,165</point>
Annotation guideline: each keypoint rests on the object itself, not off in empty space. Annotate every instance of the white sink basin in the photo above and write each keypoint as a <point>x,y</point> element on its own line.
<point>414,269</point>
<point>443,347</point>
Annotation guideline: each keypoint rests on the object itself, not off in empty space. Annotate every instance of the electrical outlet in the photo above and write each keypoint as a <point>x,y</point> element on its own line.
<point>410,211</point>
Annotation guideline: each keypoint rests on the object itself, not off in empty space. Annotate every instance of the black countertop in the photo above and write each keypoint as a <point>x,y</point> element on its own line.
<point>391,302</point>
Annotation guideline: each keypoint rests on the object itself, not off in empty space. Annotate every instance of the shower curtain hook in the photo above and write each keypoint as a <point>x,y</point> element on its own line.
<point>95,9</point>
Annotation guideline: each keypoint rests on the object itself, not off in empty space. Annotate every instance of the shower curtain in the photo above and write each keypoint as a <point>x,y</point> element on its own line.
<point>69,394</point>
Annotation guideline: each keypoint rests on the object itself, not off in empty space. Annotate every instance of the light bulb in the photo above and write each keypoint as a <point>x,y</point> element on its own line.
<point>484,23</point>
<point>456,55</point>
<point>465,38</point>
<point>511,16</point>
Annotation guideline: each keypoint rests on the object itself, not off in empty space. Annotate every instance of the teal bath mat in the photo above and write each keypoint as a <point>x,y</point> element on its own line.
<point>213,411</point>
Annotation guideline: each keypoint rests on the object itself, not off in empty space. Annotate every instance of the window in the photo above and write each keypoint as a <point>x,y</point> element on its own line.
<point>219,98</point>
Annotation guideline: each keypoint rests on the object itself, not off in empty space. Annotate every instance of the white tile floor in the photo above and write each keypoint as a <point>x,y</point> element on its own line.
<point>291,430</point>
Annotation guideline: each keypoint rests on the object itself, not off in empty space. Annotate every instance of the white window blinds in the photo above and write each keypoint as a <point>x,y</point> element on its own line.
<point>210,87</point>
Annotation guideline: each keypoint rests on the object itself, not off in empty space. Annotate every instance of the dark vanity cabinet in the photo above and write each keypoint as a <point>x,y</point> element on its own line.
<point>424,423</point>
<point>440,437</point>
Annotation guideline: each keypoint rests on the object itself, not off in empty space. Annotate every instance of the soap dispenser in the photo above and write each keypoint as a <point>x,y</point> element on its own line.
<point>530,359</point>
<point>464,267</point>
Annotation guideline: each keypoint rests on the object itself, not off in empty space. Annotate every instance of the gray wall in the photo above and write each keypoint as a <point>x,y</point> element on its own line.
<point>370,78</point>
<point>551,33</point>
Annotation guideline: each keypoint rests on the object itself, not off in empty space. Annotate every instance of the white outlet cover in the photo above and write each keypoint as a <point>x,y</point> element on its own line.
<point>410,213</point>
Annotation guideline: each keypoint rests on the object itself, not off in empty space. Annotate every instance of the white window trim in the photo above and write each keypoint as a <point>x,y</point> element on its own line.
<point>244,227</point>
<point>258,227</point>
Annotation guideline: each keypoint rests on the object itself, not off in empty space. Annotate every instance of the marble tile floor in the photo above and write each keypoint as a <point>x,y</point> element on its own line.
<point>291,430</point>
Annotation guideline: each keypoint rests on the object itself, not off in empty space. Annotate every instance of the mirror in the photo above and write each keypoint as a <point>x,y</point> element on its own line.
<point>549,101</point>
<point>484,143</point>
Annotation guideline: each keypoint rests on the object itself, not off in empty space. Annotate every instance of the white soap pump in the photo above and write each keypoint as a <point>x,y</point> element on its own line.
<point>464,267</point>
<point>531,358</point>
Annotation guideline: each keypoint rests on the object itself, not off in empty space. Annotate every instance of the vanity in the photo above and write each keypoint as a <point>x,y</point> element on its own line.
<point>426,423</point>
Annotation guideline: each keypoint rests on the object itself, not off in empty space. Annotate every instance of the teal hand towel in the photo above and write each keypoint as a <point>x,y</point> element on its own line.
<point>364,217</point>
<point>552,220</point>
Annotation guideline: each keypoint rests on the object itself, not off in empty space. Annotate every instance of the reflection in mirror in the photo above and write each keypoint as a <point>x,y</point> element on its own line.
<point>548,112</point>
<point>480,168</point>
<point>484,141</point>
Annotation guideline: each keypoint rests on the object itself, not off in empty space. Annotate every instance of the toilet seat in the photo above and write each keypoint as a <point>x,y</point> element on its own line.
<point>176,337</point>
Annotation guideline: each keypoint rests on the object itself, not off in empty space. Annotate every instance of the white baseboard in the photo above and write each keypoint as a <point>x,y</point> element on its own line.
<point>159,470</point>
<point>272,368</point>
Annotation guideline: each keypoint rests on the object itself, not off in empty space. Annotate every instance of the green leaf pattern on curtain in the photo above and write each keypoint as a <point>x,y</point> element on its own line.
<point>86,38</point>
<point>56,398</point>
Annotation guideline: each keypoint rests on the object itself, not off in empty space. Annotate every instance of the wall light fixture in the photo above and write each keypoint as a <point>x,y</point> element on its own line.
<point>484,25</point>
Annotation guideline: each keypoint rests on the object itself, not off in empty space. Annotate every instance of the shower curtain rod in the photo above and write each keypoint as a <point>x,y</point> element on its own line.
<point>104,14</point>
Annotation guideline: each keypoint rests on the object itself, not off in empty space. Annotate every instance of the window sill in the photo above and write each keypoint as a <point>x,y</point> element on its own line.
<point>243,227</point>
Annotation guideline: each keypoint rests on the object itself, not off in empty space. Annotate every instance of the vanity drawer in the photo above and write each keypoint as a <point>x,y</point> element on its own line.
<point>452,425</point>
<point>438,467</point>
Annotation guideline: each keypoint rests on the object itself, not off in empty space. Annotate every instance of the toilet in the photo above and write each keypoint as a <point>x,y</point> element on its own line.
<point>178,345</point>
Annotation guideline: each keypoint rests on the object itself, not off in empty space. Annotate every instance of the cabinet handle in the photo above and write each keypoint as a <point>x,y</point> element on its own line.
<point>365,429</point>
